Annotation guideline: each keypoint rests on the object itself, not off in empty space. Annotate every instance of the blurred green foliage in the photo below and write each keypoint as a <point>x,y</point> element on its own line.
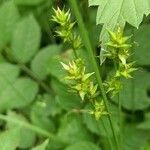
<point>36,110</point>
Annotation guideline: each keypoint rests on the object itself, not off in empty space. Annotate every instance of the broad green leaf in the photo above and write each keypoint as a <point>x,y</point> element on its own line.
<point>52,108</point>
<point>47,62</point>
<point>83,146</point>
<point>27,136</point>
<point>41,146</point>
<point>21,93</point>
<point>102,126</point>
<point>110,12</point>
<point>26,39</point>
<point>9,140</point>
<point>9,16</point>
<point>65,98</point>
<point>56,69</point>
<point>42,65</point>
<point>134,139</point>
<point>8,74</point>
<point>141,52</point>
<point>56,144</point>
<point>40,114</point>
<point>134,94</point>
<point>28,2</point>
<point>73,130</point>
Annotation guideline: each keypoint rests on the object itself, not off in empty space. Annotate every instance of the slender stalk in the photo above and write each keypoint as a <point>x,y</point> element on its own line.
<point>75,53</point>
<point>119,104</point>
<point>86,41</point>
<point>120,121</point>
<point>74,50</point>
<point>119,110</point>
<point>109,141</point>
<point>133,81</point>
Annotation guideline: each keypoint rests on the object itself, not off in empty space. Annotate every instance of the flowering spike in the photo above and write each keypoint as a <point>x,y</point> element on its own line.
<point>80,80</point>
<point>118,51</point>
<point>99,110</point>
<point>65,31</point>
<point>112,86</point>
<point>125,70</point>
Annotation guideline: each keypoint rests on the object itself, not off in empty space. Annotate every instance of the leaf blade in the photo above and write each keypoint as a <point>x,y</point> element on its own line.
<point>26,39</point>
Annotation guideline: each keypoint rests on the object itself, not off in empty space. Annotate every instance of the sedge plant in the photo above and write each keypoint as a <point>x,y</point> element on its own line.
<point>78,79</point>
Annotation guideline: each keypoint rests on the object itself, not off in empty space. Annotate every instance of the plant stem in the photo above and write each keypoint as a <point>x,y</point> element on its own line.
<point>119,109</point>
<point>133,81</point>
<point>75,53</point>
<point>86,41</point>
<point>120,121</point>
<point>109,141</point>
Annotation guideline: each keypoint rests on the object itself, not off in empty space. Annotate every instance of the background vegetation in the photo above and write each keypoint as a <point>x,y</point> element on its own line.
<point>36,110</point>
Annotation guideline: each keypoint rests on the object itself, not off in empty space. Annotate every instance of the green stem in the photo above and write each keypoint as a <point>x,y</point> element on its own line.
<point>71,40</point>
<point>109,141</point>
<point>119,109</point>
<point>75,53</point>
<point>133,84</point>
<point>86,41</point>
<point>120,121</point>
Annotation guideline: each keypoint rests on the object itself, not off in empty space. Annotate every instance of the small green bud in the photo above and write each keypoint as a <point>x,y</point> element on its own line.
<point>65,31</point>
<point>118,48</point>
<point>81,83</point>
<point>76,42</point>
<point>64,34</point>
<point>81,89</point>
<point>75,69</point>
<point>117,40</point>
<point>112,86</point>
<point>126,70</point>
<point>61,17</point>
<point>93,88</point>
<point>99,110</point>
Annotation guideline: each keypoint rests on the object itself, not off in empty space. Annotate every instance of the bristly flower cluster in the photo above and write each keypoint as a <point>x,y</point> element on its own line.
<point>65,30</point>
<point>113,86</point>
<point>78,80</point>
<point>81,84</point>
<point>99,110</point>
<point>118,50</point>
